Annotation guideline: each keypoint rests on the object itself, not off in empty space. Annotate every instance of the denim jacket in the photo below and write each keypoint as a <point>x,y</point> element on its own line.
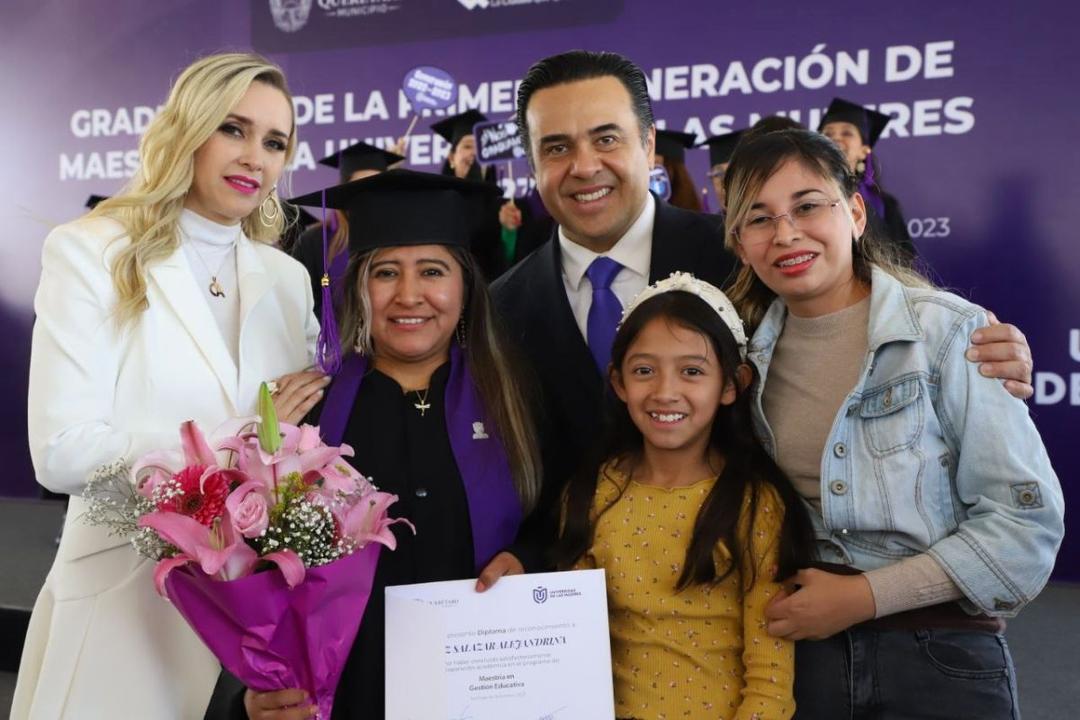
<point>927,455</point>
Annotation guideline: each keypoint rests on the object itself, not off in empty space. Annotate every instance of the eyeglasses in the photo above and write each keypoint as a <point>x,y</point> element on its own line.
<point>716,174</point>
<point>759,228</point>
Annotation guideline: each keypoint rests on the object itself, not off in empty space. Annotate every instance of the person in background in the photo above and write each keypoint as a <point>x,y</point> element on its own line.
<point>355,162</point>
<point>139,328</point>
<point>432,403</point>
<point>934,505</point>
<point>458,131</point>
<point>671,149</point>
<point>720,149</point>
<point>855,130</point>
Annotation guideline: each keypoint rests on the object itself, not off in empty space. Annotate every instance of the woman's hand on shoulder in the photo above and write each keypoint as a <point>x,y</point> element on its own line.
<point>1003,352</point>
<point>821,605</point>
<point>278,705</point>
<point>297,393</point>
<point>502,564</point>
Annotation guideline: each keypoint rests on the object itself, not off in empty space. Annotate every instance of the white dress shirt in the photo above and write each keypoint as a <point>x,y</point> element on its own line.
<point>633,251</point>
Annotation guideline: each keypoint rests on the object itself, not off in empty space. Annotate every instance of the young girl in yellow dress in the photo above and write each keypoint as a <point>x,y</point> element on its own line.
<point>686,514</point>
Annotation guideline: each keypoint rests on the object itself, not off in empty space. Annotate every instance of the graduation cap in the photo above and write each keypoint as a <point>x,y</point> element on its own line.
<point>94,200</point>
<point>672,144</point>
<point>360,156</point>
<point>870,122</point>
<point>405,207</point>
<point>455,127</point>
<point>391,209</point>
<point>722,146</point>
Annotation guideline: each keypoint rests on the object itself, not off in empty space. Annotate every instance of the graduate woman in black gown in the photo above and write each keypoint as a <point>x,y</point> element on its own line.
<point>429,400</point>
<point>855,130</point>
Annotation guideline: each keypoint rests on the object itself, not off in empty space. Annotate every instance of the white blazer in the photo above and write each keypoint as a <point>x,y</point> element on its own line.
<point>101,642</point>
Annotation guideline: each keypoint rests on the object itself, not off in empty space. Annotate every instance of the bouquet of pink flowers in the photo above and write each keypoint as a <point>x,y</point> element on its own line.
<point>269,497</point>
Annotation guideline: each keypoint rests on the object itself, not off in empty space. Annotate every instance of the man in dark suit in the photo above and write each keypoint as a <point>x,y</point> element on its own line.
<point>588,125</point>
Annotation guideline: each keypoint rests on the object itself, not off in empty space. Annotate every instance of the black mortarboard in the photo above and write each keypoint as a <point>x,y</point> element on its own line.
<point>405,207</point>
<point>394,208</point>
<point>360,156</point>
<point>455,127</point>
<point>93,200</point>
<point>672,144</point>
<point>870,122</point>
<point>722,146</point>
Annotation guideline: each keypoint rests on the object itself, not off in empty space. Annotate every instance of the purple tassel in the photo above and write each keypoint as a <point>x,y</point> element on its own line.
<point>706,206</point>
<point>328,347</point>
<point>869,190</point>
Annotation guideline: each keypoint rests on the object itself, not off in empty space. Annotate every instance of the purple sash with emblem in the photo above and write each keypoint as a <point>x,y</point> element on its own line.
<point>494,507</point>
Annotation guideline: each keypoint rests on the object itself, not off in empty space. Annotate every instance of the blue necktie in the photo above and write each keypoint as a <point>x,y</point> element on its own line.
<point>605,311</point>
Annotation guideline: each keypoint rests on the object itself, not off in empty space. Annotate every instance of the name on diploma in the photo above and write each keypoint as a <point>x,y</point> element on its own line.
<point>533,647</point>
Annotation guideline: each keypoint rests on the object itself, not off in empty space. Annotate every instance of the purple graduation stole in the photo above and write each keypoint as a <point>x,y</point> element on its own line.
<point>494,508</point>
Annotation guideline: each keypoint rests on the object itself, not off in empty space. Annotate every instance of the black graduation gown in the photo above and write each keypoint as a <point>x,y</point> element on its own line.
<point>532,304</point>
<point>409,455</point>
<point>893,228</point>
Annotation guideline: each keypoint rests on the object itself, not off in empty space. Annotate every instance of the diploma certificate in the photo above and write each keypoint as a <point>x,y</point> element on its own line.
<point>533,647</point>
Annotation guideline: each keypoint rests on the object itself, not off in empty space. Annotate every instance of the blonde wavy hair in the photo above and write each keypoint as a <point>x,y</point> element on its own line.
<point>149,206</point>
<point>757,157</point>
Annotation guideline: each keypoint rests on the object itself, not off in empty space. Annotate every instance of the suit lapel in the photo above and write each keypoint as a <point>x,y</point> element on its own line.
<point>186,299</point>
<point>255,282</point>
<point>668,251</point>
<point>562,326</point>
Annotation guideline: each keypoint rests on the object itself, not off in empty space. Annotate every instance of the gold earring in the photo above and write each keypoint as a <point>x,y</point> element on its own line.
<point>267,217</point>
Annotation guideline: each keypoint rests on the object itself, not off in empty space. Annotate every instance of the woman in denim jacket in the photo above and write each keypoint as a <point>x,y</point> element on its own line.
<point>935,508</point>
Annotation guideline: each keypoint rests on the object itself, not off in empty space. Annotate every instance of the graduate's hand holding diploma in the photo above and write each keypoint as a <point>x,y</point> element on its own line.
<point>502,564</point>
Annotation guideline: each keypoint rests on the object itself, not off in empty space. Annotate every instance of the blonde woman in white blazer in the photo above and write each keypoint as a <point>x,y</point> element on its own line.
<point>166,303</point>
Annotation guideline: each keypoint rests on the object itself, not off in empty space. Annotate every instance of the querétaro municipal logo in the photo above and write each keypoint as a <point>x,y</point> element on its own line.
<point>472,5</point>
<point>290,15</point>
<point>539,595</point>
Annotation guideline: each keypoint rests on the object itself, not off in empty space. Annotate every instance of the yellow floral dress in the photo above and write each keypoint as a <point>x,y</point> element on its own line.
<point>702,652</point>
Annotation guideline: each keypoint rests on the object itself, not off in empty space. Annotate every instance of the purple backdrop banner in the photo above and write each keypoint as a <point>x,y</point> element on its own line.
<point>980,153</point>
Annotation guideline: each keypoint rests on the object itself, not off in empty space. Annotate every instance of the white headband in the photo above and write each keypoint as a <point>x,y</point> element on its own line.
<point>712,295</point>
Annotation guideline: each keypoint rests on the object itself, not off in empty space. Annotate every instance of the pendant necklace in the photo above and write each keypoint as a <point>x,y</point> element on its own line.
<point>215,287</point>
<point>423,405</point>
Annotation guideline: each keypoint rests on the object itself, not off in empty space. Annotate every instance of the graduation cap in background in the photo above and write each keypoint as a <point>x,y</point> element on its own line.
<point>360,156</point>
<point>870,122</point>
<point>455,127</point>
<point>672,144</point>
<point>394,208</point>
<point>722,146</point>
<point>94,200</point>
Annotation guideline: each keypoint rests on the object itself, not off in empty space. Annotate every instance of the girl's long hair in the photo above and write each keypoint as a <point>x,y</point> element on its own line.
<point>747,467</point>
<point>505,389</point>
<point>755,160</point>
<point>149,207</point>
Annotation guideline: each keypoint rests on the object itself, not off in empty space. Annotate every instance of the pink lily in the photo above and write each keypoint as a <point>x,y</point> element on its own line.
<point>366,520</point>
<point>218,550</point>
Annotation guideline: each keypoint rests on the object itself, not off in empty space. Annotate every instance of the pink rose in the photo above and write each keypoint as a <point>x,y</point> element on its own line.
<point>249,509</point>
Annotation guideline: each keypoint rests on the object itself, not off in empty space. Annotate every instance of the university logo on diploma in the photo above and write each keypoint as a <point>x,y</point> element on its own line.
<point>533,646</point>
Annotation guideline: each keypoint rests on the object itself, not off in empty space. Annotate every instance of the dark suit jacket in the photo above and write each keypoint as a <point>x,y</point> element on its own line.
<point>531,301</point>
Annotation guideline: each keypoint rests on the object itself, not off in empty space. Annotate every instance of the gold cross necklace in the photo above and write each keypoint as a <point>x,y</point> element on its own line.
<point>423,405</point>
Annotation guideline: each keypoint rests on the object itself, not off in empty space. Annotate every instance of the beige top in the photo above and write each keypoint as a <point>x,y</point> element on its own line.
<point>815,365</point>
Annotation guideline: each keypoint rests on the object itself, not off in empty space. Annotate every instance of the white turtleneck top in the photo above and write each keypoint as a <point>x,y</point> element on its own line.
<point>211,252</point>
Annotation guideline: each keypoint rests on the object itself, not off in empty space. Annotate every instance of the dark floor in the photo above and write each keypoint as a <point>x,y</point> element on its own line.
<point>1045,638</point>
